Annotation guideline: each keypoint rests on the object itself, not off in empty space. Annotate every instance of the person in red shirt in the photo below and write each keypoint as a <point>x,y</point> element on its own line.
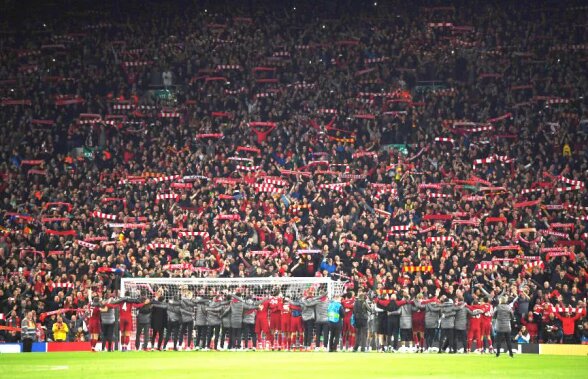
<point>285,321</point>
<point>263,132</point>
<point>39,286</point>
<point>125,306</point>
<point>348,329</point>
<point>296,326</point>
<point>418,325</point>
<point>568,323</point>
<point>475,328</point>
<point>262,323</point>
<point>276,304</point>
<point>94,325</point>
<point>486,324</point>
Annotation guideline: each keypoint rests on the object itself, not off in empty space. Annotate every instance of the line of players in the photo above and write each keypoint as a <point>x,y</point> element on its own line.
<point>243,321</point>
<point>435,324</point>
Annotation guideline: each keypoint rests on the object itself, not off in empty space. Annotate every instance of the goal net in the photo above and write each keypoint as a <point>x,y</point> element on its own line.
<point>293,288</point>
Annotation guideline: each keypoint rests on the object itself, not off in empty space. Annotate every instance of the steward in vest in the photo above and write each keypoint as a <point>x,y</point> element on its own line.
<point>335,316</point>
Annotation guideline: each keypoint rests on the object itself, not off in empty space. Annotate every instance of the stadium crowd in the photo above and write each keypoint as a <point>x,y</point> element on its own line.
<point>434,158</point>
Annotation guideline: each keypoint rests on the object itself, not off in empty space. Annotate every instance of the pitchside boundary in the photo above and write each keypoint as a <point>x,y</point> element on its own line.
<point>50,347</point>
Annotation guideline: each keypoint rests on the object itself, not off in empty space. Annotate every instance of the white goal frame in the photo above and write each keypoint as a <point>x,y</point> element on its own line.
<point>129,286</point>
<point>333,287</point>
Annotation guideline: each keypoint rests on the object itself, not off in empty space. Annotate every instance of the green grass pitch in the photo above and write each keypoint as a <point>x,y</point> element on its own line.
<point>287,365</point>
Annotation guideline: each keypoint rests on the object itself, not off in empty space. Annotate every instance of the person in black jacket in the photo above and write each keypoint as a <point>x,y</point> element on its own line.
<point>173,319</point>
<point>226,324</point>
<point>360,316</point>
<point>552,330</point>
<point>214,311</point>
<point>237,307</point>
<point>582,330</point>
<point>392,309</point>
<point>143,323</point>
<point>158,324</point>
<point>447,325</point>
<point>200,321</point>
<point>187,305</point>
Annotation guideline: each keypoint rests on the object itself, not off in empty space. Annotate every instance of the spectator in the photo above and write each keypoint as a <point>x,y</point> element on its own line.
<point>340,145</point>
<point>552,329</point>
<point>523,336</point>
<point>28,332</point>
<point>60,330</point>
<point>568,325</point>
<point>531,326</point>
<point>584,333</point>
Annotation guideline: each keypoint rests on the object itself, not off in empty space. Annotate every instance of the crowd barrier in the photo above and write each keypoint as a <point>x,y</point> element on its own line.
<point>46,347</point>
<point>564,350</point>
<point>531,348</point>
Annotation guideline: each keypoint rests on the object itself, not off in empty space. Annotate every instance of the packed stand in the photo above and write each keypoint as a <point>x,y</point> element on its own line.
<point>429,153</point>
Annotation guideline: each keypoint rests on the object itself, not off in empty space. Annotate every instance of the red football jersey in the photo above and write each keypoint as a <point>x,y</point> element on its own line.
<point>125,309</point>
<point>285,309</point>
<point>475,320</point>
<point>276,304</point>
<point>295,310</point>
<point>487,315</point>
<point>95,314</point>
<point>348,307</point>
<point>263,309</point>
<point>418,317</point>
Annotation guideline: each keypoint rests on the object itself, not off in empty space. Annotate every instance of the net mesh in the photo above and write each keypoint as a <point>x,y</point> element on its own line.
<point>293,288</point>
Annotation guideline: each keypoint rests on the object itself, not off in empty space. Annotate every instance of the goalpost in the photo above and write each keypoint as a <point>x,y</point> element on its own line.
<point>290,287</point>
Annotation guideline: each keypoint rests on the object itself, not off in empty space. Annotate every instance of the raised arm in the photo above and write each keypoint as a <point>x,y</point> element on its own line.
<point>579,314</point>
<point>216,306</point>
<point>247,305</point>
<point>126,299</point>
<point>474,312</point>
<point>239,299</point>
<point>159,304</point>
<point>434,307</point>
<point>310,302</point>
<point>331,123</point>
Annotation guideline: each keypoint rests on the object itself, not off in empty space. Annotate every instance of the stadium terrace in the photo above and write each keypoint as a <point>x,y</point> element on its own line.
<point>294,176</point>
